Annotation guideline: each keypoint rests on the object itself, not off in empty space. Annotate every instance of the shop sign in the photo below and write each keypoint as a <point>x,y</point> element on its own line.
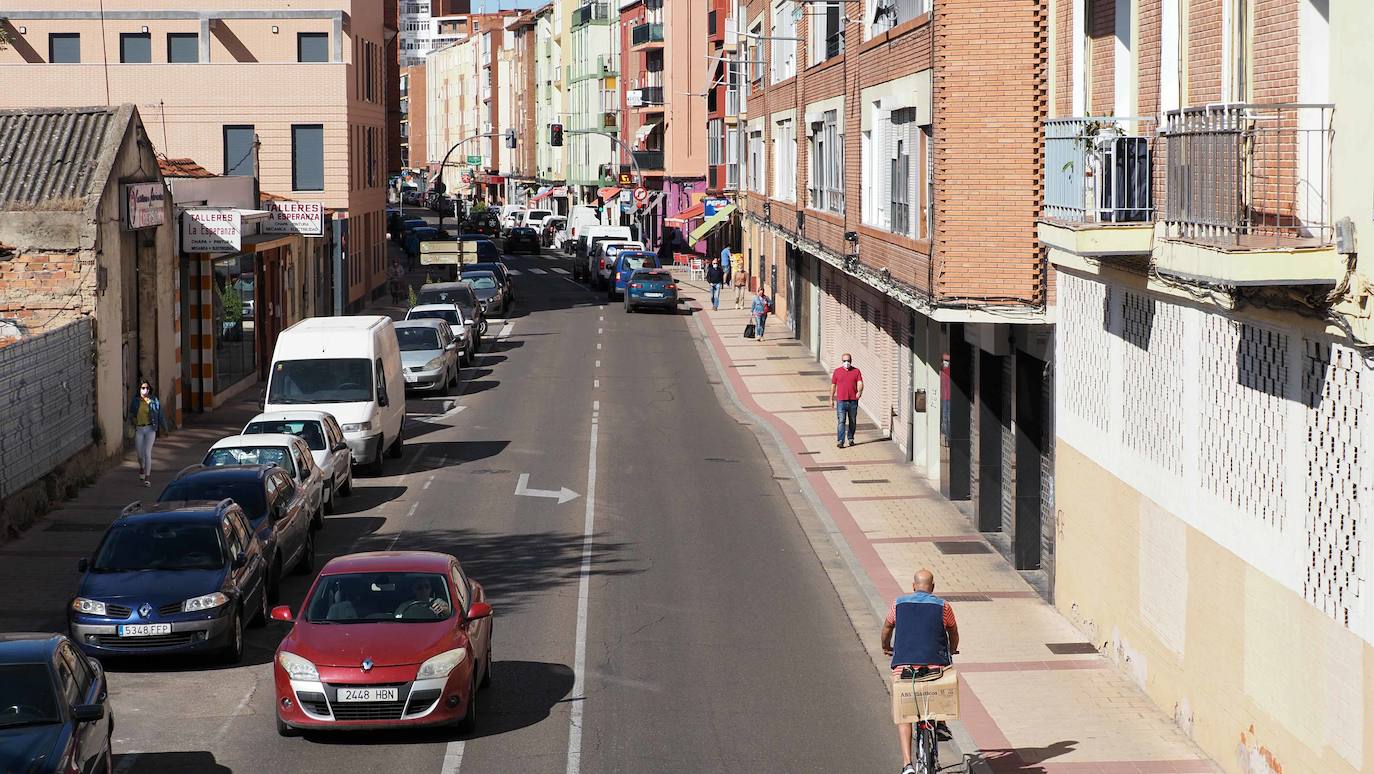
<point>305,218</point>
<point>143,205</point>
<point>714,203</point>
<point>626,179</point>
<point>212,231</point>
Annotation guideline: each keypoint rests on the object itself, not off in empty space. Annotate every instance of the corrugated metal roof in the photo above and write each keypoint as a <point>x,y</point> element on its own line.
<point>54,153</point>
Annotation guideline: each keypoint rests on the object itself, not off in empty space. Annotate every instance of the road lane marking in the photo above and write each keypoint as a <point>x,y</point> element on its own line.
<point>596,405</point>
<point>596,383</point>
<point>523,489</point>
<point>505,330</point>
<point>598,364</point>
<point>560,270</point>
<point>537,270</point>
<point>513,272</point>
<point>598,345</point>
<point>453,758</point>
<point>428,481</point>
<point>600,331</point>
<point>576,699</point>
<point>602,319</point>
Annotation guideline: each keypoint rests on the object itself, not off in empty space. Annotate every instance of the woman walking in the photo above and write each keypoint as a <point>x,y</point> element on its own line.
<point>145,412</point>
<point>760,311</point>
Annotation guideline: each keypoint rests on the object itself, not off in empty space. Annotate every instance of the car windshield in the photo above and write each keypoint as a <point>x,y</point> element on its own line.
<point>447,315</point>
<point>160,546</point>
<point>330,380</point>
<point>308,430</point>
<point>637,260</point>
<point>457,294</point>
<point>29,695</point>
<point>379,597</point>
<point>480,281</point>
<point>251,455</point>
<point>416,340</point>
<point>247,493</point>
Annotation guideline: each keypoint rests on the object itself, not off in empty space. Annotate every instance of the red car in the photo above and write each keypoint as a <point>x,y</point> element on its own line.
<point>385,639</point>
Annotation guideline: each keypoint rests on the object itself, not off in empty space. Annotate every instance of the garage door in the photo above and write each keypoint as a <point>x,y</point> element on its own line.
<point>867,325</point>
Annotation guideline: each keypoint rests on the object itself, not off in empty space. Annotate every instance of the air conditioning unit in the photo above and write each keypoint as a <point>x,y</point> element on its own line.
<point>1123,189</point>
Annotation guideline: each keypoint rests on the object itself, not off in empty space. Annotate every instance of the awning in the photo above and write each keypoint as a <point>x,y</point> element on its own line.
<point>644,131</point>
<point>546,191</point>
<point>695,211</point>
<point>606,194</point>
<point>707,226</point>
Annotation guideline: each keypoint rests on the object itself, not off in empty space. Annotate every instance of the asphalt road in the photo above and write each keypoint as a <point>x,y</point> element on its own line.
<point>708,636</point>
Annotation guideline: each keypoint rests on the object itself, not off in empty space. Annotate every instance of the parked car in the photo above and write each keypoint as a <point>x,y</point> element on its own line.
<point>462,294</point>
<point>586,238</point>
<point>421,234</point>
<point>442,204</point>
<point>453,315</point>
<point>626,263</point>
<point>488,289</point>
<point>172,577</point>
<point>535,217</point>
<point>288,452</point>
<point>601,258</point>
<point>322,435</point>
<point>485,224</point>
<point>56,714</point>
<point>554,231</point>
<point>654,288</point>
<point>275,509</point>
<point>429,354</point>
<point>350,367</point>
<point>403,227</point>
<point>523,239</point>
<point>419,627</point>
<point>411,197</point>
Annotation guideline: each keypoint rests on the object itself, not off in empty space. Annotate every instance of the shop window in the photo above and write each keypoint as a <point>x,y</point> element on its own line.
<point>235,310</point>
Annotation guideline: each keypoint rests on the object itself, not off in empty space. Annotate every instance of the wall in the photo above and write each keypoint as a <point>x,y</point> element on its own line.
<point>47,402</point>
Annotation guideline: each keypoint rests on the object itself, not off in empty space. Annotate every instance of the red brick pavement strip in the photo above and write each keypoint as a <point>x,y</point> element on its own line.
<point>996,748</point>
<point>1031,666</point>
<point>923,538</point>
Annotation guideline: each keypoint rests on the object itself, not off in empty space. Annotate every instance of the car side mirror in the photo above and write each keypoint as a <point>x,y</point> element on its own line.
<point>240,561</point>
<point>88,713</point>
<point>340,446</point>
<point>282,613</point>
<point>479,610</point>
<point>382,399</point>
<point>449,347</point>
<point>83,565</point>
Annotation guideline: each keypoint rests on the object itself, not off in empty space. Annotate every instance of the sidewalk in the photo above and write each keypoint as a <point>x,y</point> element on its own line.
<point>1036,697</point>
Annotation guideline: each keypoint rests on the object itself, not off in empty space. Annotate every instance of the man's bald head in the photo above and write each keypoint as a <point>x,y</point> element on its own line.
<point>924,580</point>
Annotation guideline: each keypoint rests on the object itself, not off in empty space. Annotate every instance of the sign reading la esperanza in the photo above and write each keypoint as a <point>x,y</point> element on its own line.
<point>304,218</point>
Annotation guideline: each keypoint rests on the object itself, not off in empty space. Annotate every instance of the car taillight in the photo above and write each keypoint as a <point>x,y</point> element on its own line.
<point>670,286</point>
<point>636,284</point>
<point>601,264</point>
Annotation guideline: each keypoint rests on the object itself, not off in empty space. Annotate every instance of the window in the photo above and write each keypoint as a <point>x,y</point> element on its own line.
<point>714,139</point>
<point>784,57</point>
<point>826,186</point>
<point>755,161</point>
<point>928,139</point>
<point>238,151</point>
<point>826,25</point>
<point>371,157</point>
<point>183,47</point>
<point>64,48</point>
<point>732,136</point>
<point>885,14</point>
<point>135,48</point>
<point>307,157</point>
<point>900,190</point>
<point>312,47</point>
<point>893,152</point>
<point>754,53</point>
<point>784,161</point>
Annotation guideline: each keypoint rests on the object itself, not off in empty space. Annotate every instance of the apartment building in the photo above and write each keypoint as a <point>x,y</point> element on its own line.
<point>592,93</point>
<point>414,129</point>
<point>419,32</point>
<point>294,98</point>
<point>723,128</point>
<point>891,177</point>
<point>551,167</point>
<point>520,170</point>
<point>1207,175</point>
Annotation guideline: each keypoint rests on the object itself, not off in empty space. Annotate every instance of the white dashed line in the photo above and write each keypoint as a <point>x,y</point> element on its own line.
<point>598,364</point>
<point>596,405</point>
<point>596,383</point>
<point>453,758</point>
<point>428,481</point>
<point>560,270</point>
<point>598,345</point>
<point>505,330</point>
<point>537,271</point>
<point>513,272</point>
<point>600,331</point>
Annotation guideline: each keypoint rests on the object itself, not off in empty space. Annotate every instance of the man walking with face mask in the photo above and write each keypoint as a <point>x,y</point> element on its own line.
<point>846,387</point>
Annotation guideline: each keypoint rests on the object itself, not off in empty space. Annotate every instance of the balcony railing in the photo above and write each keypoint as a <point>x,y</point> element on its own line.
<point>590,13</point>
<point>1097,171</point>
<point>646,33</point>
<point>649,159</point>
<point>1250,175</point>
<point>649,96</point>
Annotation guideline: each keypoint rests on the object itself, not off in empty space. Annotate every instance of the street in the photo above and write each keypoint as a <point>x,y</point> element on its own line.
<point>669,616</point>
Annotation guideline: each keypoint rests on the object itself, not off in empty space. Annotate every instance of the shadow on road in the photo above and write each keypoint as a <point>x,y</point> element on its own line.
<point>365,497</point>
<point>197,762</point>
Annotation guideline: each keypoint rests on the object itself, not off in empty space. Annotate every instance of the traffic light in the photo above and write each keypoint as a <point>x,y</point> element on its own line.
<point>556,135</point>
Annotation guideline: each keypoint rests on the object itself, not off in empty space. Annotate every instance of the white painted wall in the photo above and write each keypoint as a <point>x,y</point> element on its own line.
<point>1124,65</point>
<point>1079,38</point>
<point>1168,58</point>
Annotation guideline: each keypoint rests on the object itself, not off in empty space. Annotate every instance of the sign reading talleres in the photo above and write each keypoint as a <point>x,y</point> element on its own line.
<point>212,231</point>
<point>287,217</point>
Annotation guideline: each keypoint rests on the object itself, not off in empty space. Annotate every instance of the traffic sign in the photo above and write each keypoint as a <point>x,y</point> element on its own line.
<point>475,160</point>
<point>626,178</point>
<point>641,195</point>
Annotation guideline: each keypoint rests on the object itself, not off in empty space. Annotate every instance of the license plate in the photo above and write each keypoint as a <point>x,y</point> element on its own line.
<point>144,630</point>
<point>368,694</point>
<point>410,378</point>
<point>653,295</point>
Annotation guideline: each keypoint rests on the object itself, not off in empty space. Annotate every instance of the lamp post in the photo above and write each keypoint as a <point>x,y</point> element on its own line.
<point>444,164</point>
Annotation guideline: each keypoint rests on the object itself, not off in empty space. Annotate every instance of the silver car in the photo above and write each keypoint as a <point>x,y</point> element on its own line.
<point>322,434</point>
<point>429,354</point>
<point>460,323</point>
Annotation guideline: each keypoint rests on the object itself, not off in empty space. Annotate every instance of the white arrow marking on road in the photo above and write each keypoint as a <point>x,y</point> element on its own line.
<point>561,495</point>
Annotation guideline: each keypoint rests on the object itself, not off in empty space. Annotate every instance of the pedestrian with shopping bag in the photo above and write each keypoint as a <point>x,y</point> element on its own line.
<point>145,414</point>
<point>760,309</point>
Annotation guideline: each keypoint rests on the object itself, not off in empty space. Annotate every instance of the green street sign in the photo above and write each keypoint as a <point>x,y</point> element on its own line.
<point>474,159</point>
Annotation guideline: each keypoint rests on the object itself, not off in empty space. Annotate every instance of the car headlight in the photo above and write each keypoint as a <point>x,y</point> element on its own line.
<point>357,427</point>
<point>204,602</point>
<point>442,664</point>
<point>88,606</point>
<point>296,667</point>
<point>434,364</point>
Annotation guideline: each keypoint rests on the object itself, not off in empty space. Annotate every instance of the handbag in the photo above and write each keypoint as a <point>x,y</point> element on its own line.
<point>749,331</point>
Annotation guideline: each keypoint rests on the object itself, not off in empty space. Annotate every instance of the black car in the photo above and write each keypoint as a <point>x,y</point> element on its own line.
<point>522,239</point>
<point>276,510</point>
<point>174,577</point>
<point>486,223</point>
<point>501,272</point>
<point>488,289</point>
<point>54,707</point>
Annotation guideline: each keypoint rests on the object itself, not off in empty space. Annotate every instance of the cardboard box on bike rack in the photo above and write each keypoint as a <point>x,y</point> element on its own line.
<point>930,699</point>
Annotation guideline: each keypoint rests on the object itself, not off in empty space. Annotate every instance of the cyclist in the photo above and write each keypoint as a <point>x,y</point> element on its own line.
<point>920,631</point>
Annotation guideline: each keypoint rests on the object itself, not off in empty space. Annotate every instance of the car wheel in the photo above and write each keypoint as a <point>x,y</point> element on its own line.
<point>347,488</point>
<point>264,613</point>
<point>306,565</point>
<point>482,327</point>
<point>376,466</point>
<point>233,651</point>
<point>469,722</point>
<point>283,729</point>
<point>398,448</point>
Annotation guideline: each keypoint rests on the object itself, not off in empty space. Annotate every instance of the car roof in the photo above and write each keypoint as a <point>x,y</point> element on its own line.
<point>138,512</point>
<point>422,322</point>
<point>431,308</point>
<point>225,472</point>
<point>389,561</point>
<point>28,647</point>
<point>466,272</point>
<point>639,252</point>
<point>268,416</point>
<point>257,439</point>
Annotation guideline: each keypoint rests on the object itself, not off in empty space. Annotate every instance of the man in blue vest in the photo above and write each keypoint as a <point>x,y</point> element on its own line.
<point>920,631</point>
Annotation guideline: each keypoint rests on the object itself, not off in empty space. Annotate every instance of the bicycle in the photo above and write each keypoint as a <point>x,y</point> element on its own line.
<point>925,747</point>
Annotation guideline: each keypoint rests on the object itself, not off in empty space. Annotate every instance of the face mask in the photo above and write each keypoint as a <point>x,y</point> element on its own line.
<point>848,364</point>
<point>143,391</point>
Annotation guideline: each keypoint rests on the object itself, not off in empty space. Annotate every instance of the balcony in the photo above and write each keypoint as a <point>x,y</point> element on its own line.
<point>592,12</point>
<point>644,36</point>
<point>649,160</point>
<point>1097,187</point>
<point>1249,196</point>
<point>648,98</point>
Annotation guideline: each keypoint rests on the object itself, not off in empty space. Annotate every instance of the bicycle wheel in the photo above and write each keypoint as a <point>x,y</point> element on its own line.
<point>927,750</point>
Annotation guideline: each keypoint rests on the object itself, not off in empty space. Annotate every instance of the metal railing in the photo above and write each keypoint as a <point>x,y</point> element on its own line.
<point>649,159</point>
<point>591,12</point>
<point>1097,170</point>
<point>649,96</point>
<point>646,33</point>
<point>1250,174</point>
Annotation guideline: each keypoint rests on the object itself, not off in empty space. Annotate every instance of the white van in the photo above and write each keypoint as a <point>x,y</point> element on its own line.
<point>351,368</point>
<point>535,218</point>
<point>586,239</point>
<point>580,217</point>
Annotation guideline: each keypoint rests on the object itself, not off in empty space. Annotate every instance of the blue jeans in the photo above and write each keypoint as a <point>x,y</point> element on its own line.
<point>758,325</point>
<point>846,413</point>
<point>715,295</point>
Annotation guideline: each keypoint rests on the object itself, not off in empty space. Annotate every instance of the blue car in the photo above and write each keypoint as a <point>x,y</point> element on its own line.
<point>56,715</point>
<point>653,288</point>
<point>180,577</point>
<point>417,235</point>
<point>627,262</point>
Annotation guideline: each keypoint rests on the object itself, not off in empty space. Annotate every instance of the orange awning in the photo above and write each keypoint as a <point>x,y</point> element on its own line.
<point>695,211</point>
<point>607,194</point>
